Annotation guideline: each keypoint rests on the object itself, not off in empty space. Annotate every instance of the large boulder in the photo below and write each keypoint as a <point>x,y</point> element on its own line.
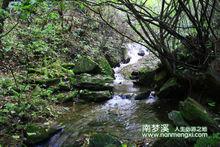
<point>36,134</point>
<point>85,64</point>
<point>94,96</point>
<point>194,113</point>
<point>142,96</point>
<point>95,83</point>
<point>103,140</point>
<point>105,66</point>
<point>113,55</point>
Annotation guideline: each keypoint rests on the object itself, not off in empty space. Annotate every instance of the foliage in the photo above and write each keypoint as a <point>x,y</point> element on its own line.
<point>211,141</point>
<point>163,25</point>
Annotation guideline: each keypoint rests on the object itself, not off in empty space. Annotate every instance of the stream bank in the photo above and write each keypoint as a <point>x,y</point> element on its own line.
<point>122,116</point>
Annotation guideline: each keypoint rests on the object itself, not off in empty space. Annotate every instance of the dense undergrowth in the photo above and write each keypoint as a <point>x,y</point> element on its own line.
<point>40,60</point>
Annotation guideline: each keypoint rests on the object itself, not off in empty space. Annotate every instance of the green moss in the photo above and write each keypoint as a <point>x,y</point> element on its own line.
<point>68,65</point>
<point>105,66</point>
<point>97,79</point>
<point>193,111</point>
<point>41,93</point>
<point>85,64</point>
<point>65,97</point>
<point>36,133</point>
<point>94,96</point>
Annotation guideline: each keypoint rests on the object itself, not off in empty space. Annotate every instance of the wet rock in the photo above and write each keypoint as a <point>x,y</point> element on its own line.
<point>142,96</point>
<point>143,65</point>
<point>94,96</point>
<point>103,140</point>
<point>196,114</point>
<point>126,60</point>
<point>141,53</point>
<point>177,118</point>
<point>36,134</point>
<point>126,96</point>
<point>135,75</point>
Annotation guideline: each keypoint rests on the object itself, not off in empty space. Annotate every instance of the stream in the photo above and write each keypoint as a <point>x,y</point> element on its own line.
<point>122,116</point>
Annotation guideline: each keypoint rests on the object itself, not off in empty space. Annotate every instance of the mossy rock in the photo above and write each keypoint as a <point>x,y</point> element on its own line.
<point>94,96</point>
<point>66,97</point>
<point>196,114</point>
<point>113,58</point>
<point>36,134</point>
<point>177,118</point>
<point>145,78</point>
<point>103,140</point>
<point>96,83</point>
<point>97,79</point>
<point>105,66</point>
<point>85,64</point>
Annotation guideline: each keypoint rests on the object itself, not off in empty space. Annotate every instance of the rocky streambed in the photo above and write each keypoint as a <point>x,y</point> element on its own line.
<point>112,111</point>
<point>117,120</point>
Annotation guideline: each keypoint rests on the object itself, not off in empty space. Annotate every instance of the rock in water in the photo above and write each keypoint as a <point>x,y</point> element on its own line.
<point>142,96</point>
<point>126,60</point>
<point>141,53</point>
<point>95,96</point>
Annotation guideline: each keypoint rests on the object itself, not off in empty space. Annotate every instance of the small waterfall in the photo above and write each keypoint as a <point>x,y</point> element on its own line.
<point>133,50</point>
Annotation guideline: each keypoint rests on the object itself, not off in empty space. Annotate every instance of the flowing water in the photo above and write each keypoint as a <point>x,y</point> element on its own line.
<point>121,116</point>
